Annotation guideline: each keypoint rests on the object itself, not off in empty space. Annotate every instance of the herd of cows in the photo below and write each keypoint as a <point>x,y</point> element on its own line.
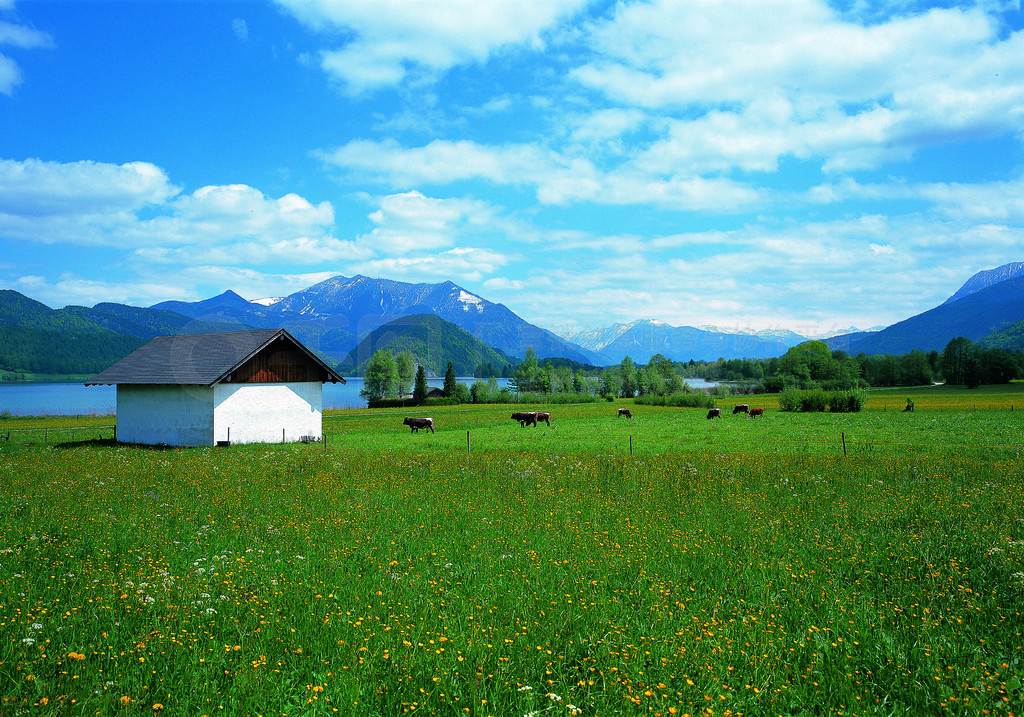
<point>532,418</point>
<point>740,408</point>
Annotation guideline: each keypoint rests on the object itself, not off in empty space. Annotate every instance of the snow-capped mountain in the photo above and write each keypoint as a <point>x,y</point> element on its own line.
<point>333,315</point>
<point>642,339</point>
<point>985,279</point>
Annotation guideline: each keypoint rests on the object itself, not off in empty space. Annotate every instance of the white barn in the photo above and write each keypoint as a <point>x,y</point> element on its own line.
<point>232,387</point>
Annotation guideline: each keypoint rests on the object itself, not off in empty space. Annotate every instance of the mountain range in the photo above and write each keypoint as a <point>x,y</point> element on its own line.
<point>642,339</point>
<point>335,314</point>
<point>988,304</point>
<point>338,319</point>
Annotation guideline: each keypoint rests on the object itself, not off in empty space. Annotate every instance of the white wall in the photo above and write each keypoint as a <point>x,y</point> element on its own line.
<point>259,412</point>
<point>175,415</point>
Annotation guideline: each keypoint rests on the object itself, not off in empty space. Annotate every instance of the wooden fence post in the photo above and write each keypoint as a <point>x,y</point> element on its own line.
<point>469,445</point>
<point>631,445</point>
<point>844,443</point>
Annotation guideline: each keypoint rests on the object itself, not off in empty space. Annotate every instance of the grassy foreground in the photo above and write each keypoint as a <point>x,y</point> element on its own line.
<point>726,567</point>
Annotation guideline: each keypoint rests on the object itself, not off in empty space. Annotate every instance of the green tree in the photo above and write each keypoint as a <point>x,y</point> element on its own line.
<point>450,382</point>
<point>419,392</point>
<point>611,382</point>
<point>527,376</point>
<point>954,360</point>
<point>997,366</point>
<point>914,369</point>
<point>406,364</point>
<point>380,380</point>
<point>627,370</point>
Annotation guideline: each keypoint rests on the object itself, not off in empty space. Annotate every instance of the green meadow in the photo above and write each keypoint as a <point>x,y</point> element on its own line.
<point>795,564</point>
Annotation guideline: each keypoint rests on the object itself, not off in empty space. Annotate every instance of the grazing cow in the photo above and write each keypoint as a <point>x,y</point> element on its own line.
<point>741,408</point>
<point>754,412</point>
<point>525,417</point>
<point>415,424</point>
<point>715,413</point>
<point>624,412</point>
<point>541,416</point>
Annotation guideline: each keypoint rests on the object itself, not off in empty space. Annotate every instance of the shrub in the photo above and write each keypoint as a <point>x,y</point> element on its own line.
<point>817,400</point>
<point>556,398</point>
<point>848,401</point>
<point>678,400</point>
<point>814,401</point>
<point>789,401</point>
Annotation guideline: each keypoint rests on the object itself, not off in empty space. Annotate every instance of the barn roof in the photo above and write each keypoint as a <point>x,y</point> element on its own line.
<point>198,359</point>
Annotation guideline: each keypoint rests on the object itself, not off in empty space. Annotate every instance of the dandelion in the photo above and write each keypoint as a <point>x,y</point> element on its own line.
<point>157,707</point>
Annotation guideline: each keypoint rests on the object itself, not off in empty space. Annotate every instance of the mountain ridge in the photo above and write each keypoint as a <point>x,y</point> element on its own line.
<point>332,317</point>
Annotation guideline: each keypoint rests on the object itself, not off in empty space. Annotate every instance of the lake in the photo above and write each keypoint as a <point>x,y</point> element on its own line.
<point>76,399</point>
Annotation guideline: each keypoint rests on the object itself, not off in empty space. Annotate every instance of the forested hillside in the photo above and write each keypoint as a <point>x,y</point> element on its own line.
<point>433,342</point>
<point>47,351</point>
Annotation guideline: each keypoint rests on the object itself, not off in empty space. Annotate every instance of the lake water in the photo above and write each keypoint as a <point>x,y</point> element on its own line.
<point>76,399</point>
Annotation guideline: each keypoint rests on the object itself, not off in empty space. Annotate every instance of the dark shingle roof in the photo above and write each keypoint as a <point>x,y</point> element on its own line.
<point>195,359</point>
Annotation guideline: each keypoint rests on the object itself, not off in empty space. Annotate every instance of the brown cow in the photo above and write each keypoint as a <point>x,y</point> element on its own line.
<point>715,413</point>
<point>754,412</point>
<point>624,412</point>
<point>741,408</point>
<point>546,417</point>
<point>525,417</point>
<point>415,424</point>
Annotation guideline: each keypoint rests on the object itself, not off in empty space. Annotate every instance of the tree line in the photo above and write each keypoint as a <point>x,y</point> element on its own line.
<point>814,365</point>
<point>809,366</point>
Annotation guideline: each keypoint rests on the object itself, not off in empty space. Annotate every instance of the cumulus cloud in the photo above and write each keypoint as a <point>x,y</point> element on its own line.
<point>460,264</point>
<point>391,39</point>
<point>22,37</point>
<point>75,290</point>
<point>36,188</point>
<point>556,178</point>
<point>135,206</point>
<point>747,82</point>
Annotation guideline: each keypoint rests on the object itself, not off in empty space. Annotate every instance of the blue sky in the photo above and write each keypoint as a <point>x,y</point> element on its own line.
<point>762,164</point>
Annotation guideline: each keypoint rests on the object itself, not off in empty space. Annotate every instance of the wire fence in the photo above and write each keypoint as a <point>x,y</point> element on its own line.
<point>56,435</point>
<point>334,438</point>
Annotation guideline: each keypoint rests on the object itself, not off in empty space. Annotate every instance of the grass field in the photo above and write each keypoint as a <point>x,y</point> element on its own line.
<point>723,567</point>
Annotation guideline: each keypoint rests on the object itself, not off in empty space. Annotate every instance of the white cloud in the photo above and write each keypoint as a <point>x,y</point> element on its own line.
<point>240,28</point>
<point>393,39</point>
<point>36,188</point>
<point>135,206</point>
<point>413,222</point>
<point>557,179</point>
<point>241,210</point>
<point>21,37</point>
<point>500,283</point>
<point>73,290</point>
<point>747,82</point>
<point>462,264</point>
